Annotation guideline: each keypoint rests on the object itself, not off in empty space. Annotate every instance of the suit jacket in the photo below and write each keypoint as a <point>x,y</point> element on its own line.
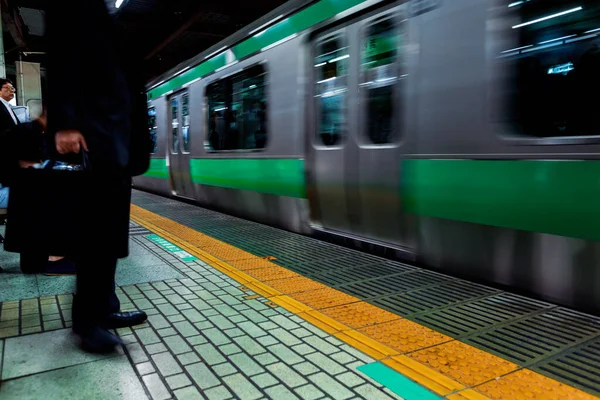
<point>6,120</point>
<point>94,86</point>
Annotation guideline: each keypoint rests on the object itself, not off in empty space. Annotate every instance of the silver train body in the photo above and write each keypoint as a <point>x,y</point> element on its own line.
<point>354,192</point>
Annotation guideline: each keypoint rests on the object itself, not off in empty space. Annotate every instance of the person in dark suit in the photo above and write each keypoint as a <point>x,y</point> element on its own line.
<point>8,118</point>
<point>96,106</point>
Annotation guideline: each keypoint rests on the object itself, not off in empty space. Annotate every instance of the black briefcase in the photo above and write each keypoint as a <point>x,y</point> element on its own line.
<point>47,208</point>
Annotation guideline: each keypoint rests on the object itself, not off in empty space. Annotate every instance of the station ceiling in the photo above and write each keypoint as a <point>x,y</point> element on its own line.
<point>162,32</point>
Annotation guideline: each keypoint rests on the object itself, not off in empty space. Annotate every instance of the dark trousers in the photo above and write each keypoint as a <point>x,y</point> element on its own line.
<point>95,298</point>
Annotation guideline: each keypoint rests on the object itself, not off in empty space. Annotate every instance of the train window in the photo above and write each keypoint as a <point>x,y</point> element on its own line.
<point>175,124</point>
<point>380,75</point>
<point>549,63</point>
<point>185,125</point>
<point>331,70</point>
<point>237,111</point>
<point>152,129</point>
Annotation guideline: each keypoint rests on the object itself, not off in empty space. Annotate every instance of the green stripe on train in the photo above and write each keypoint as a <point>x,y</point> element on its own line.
<point>296,23</point>
<point>556,197</point>
<point>158,169</point>
<point>281,177</point>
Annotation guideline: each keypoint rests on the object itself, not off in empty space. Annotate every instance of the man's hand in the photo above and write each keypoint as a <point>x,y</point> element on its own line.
<point>70,141</point>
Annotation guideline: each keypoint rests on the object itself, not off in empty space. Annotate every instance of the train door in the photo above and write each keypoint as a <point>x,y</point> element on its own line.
<point>354,158</point>
<point>329,138</point>
<point>179,143</point>
<point>378,134</point>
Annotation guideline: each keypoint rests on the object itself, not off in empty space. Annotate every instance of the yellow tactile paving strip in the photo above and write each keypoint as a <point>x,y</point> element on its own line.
<point>444,365</point>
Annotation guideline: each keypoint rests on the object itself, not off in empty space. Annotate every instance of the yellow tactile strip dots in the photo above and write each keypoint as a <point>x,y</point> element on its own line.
<point>446,366</point>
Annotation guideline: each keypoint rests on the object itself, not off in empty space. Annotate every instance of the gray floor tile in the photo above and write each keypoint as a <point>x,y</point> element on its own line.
<point>59,349</point>
<point>16,286</point>
<point>108,379</point>
<point>140,269</point>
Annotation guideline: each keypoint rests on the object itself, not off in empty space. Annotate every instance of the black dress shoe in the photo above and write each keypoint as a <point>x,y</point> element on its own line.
<point>125,319</point>
<point>98,340</point>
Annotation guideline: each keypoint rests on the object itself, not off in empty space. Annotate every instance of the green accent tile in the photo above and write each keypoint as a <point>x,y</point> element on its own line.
<point>188,393</point>
<point>156,348</point>
<point>203,377</point>
<point>185,328</point>
<point>128,339</point>
<point>177,345</point>
<point>141,326</point>
<point>166,364</point>
<point>176,299</point>
<point>309,392</point>
<point>178,381</point>
<point>156,387</point>
<point>230,349</point>
<point>210,312</point>
<point>285,354</point>
<point>196,340</point>
<point>188,358</point>
<point>306,368</point>
<point>246,364</point>
<point>264,380</point>
<point>350,379</point>
<point>145,368</point>
<point>209,354</point>
<point>285,337</point>
<point>53,325</point>
<point>326,363</point>
<point>137,353</point>
<point>218,393</point>
<point>321,345</point>
<point>224,369</point>
<point>243,388</point>
<point>286,375</point>
<point>147,336</point>
<point>397,383</point>
<point>280,392</point>
<point>315,330</point>
<point>331,387</point>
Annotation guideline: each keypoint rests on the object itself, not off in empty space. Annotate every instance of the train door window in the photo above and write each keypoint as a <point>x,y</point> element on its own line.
<point>331,71</point>
<point>237,111</point>
<point>548,69</point>
<point>381,74</point>
<point>152,129</point>
<point>185,123</point>
<point>175,124</point>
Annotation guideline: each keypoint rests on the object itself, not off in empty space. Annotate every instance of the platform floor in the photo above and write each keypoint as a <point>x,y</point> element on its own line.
<point>241,310</point>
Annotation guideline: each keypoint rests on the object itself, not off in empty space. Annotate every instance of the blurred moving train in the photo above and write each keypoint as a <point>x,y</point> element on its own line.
<point>460,134</point>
